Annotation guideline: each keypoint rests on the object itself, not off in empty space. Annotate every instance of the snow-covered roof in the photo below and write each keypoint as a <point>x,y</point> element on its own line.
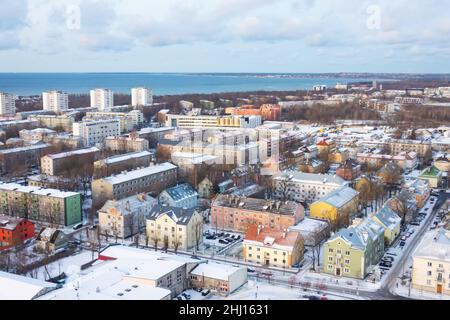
<point>73,153</point>
<point>22,149</point>
<point>435,245</point>
<point>127,156</point>
<point>215,271</point>
<point>340,197</point>
<point>37,190</point>
<point>140,173</point>
<point>302,177</point>
<point>17,287</point>
<point>180,192</point>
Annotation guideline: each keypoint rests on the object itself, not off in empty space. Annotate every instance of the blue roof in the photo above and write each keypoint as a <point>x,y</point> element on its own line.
<point>181,192</point>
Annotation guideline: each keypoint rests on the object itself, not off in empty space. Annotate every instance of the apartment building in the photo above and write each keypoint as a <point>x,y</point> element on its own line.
<point>405,160</point>
<point>102,99</point>
<point>423,149</point>
<point>175,228</point>
<point>54,122</point>
<point>141,97</point>
<point>126,144</point>
<point>55,101</point>
<point>126,217</point>
<point>66,139</point>
<point>355,251</point>
<point>7,104</point>
<point>95,132</point>
<point>123,162</point>
<point>431,263</point>
<point>22,157</point>
<point>272,248</point>
<point>128,120</point>
<point>147,180</point>
<point>237,213</point>
<point>48,206</point>
<point>183,121</point>
<point>61,163</point>
<point>154,135</point>
<point>309,187</point>
<point>34,135</point>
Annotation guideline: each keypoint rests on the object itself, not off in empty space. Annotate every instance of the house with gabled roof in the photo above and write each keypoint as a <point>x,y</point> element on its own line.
<point>353,252</point>
<point>174,228</point>
<point>336,207</point>
<point>180,196</point>
<point>391,223</point>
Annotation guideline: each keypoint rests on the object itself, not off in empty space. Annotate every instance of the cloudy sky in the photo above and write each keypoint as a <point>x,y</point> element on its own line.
<point>225,36</point>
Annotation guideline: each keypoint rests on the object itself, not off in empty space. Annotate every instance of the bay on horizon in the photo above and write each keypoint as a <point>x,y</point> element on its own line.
<point>24,84</point>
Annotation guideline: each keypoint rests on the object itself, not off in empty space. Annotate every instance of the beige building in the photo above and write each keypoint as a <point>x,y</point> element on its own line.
<point>150,179</point>
<point>175,228</point>
<point>126,144</point>
<point>423,149</point>
<point>431,263</point>
<point>274,248</point>
<point>125,218</point>
<point>221,279</point>
<point>54,122</point>
<point>60,163</point>
<point>120,163</point>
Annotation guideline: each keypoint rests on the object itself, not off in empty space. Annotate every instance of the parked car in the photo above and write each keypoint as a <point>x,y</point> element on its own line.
<point>78,226</point>
<point>249,270</point>
<point>187,296</point>
<point>313,298</point>
<point>223,241</point>
<point>206,292</point>
<point>402,244</point>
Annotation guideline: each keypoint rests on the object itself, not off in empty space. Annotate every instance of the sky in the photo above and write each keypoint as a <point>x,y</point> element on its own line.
<point>407,36</point>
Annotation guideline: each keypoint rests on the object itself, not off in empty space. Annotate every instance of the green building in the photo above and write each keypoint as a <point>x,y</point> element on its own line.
<point>48,206</point>
<point>353,252</point>
<point>433,175</point>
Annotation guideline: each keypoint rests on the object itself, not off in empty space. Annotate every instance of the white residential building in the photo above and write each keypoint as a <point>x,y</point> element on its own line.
<point>309,187</point>
<point>102,99</point>
<point>7,104</point>
<point>141,97</point>
<point>128,120</point>
<point>222,122</point>
<point>55,101</point>
<point>95,132</point>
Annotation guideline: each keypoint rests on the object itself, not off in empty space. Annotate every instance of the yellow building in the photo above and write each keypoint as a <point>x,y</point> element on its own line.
<point>275,248</point>
<point>337,207</point>
<point>390,222</point>
<point>431,263</point>
<point>338,156</point>
<point>174,228</point>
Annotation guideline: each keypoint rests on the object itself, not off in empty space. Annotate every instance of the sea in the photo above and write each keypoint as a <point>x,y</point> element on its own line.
<point>26,84</point>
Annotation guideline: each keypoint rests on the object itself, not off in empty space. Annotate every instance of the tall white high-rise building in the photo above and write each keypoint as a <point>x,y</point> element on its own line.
<point>141,97</point>
<point>102,99</point>
<point>7,104</point>
<point>55,101</point>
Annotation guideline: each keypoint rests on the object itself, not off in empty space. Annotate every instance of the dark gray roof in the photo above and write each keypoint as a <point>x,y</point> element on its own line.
<point>179,215</point>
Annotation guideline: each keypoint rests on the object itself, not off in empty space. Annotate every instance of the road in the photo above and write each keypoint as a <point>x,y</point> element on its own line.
<point>397,270</point>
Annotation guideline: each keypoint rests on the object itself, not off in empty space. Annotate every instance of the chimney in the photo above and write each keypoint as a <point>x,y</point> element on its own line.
<point>284,233</point>
<point>259,229</point>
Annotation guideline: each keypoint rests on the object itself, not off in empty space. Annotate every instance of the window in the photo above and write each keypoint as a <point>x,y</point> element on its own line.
<point>330,267</point>
<point>330,250</point>
<point>347,270</point>
<point>429,282</point>
<point>430,264</point>
<point>429,273</point>
<point>347,253</point>
<point>347,261</point>
<point>330,259</point>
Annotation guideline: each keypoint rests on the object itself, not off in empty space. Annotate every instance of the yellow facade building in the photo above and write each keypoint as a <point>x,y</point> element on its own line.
<point>336,207</point>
